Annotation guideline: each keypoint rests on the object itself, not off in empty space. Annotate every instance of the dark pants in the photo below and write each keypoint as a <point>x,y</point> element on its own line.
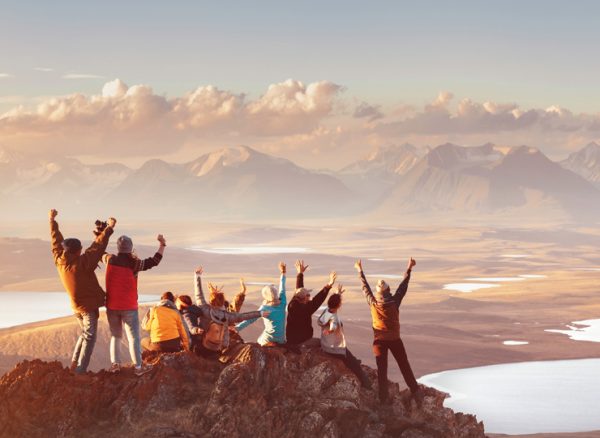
<point>88,324</point>
<point>353,365</point>
<point>380,349</point>
<point>170,346</point>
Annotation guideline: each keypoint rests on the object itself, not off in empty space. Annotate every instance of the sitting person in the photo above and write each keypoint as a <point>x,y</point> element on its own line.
<point>167,332</point>
<point>210,321</point>
<point>301,308</point>
<point>333,340</point>
<point>274,302</point>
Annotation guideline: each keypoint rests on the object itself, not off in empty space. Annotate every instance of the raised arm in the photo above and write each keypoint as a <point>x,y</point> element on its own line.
<point>238,300</point>
<point>403,287</point>
<point>365,284</point>
<point>242,325</point>
<point>94,253</point>
<point>56,236</point>
<point>282,296</point>
<point>300,268</point>
<point>239,317</point>
<point>198,292</point>
<point>151,262</point>
<point>318,299</point>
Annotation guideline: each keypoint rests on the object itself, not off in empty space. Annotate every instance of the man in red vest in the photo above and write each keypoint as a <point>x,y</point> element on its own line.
<point>122,298</point>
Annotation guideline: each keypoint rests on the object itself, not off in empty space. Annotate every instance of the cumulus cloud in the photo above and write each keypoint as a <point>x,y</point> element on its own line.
<point>470,117</point>
<point>366,111</point>
<point>135,120</point>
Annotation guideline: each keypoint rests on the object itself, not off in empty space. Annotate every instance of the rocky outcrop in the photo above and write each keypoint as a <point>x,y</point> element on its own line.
<point>261,392</point>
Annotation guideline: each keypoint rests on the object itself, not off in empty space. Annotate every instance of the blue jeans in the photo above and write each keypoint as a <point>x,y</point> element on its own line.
<point>88,323</point>
<point>130,319</point>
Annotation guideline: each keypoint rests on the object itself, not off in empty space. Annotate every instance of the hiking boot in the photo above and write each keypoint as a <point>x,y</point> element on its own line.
<point>141,370</point>
<point>114,368</point>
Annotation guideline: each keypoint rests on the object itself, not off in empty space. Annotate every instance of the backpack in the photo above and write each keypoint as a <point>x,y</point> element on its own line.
<point>214,334</point>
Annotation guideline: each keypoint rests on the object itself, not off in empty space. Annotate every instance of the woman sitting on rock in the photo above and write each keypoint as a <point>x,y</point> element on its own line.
<point>301,308</point>
<point>274,302</point>
<point>333,340</point>
<point>209,322</point>
<point>167,332</point>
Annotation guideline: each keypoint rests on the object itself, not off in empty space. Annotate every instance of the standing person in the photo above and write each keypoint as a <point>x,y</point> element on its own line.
<point>385,312</point>
<point>274,302</point>
<point>301,308</point>
<point>167,332</point>
<point>333,340</point>
<point>76,271</point>
<point>122,299</point>
<point>210,321</point>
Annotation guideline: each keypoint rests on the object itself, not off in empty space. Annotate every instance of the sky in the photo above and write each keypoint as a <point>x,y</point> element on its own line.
<point>305,79</point>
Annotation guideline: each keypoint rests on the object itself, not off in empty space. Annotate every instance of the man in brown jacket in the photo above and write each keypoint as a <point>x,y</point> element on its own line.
<point>385,312</point>
<point>76,271</point>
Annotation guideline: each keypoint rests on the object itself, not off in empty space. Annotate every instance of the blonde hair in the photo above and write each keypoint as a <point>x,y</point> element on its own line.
<point>269,294</point>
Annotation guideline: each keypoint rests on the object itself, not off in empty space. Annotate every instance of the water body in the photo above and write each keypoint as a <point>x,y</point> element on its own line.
<point>468,287</point>
<point>17,308</point>
<point>588,330</point>
<point>527,397</point>
<point>515,343</point>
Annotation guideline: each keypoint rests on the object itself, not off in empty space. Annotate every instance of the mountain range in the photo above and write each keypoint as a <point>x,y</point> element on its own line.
<point>241,183</point>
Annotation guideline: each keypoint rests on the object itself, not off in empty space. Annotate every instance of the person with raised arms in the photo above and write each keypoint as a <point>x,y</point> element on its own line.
<point>385,313</point>
<point>274,302</point>
<point>122,299</point>
<point>333,340</point>
<point>76,271</point>
<point>209,322</point>
<point>301,308</point>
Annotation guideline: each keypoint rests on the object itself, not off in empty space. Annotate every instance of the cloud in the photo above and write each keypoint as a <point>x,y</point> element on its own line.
<point>470,117</point>
<point>5,75</point>
<point>135,120</point>
<point>44,69</point>
<point>366,111</point>
<point>82,76</point>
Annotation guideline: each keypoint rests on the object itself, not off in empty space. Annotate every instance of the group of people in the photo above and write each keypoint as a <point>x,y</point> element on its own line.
<point>211,328</point>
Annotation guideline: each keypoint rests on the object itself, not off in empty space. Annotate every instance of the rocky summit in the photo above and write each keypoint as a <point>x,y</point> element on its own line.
<point>260,392</point>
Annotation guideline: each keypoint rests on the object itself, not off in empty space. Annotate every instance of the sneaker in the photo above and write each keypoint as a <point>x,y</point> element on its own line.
<point>140,371</point>
<point>114,368</point>
<point>417,396</point>
<point>73,366</point>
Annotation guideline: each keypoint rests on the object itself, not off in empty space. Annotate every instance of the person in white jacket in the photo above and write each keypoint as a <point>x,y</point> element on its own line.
<point>333,341</point>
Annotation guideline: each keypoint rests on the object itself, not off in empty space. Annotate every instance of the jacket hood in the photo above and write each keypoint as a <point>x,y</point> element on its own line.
<point>167,303</point>
<point>324,318</point>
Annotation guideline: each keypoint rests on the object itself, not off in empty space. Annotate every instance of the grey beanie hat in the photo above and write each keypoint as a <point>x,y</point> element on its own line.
<point>125,244</point>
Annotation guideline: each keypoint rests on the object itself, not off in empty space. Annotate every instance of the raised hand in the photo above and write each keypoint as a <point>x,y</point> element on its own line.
<point>332,277</point>
<point>300,266</point>
<point>52,214</point>
<point>358,265</point>
<point>112,222</point>
<point>199,270</point>
<point>282,267</point>
<point>243,285</point>
<point>214,289</point>
<point>411,263</point>
<point>340,289</point>
<point>162,240</point>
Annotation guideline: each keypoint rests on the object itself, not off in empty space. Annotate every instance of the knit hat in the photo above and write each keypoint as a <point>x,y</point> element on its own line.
<point>71,245</point>
<point>125,245</point>
<point>301,292</point>
<point>382,288</point>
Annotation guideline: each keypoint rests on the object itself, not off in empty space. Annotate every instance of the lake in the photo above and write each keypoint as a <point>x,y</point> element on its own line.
<point>527,397</point>
<point>17,308</point>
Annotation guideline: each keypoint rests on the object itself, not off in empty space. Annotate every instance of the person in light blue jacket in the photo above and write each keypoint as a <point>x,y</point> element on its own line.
<point>275,303</point>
